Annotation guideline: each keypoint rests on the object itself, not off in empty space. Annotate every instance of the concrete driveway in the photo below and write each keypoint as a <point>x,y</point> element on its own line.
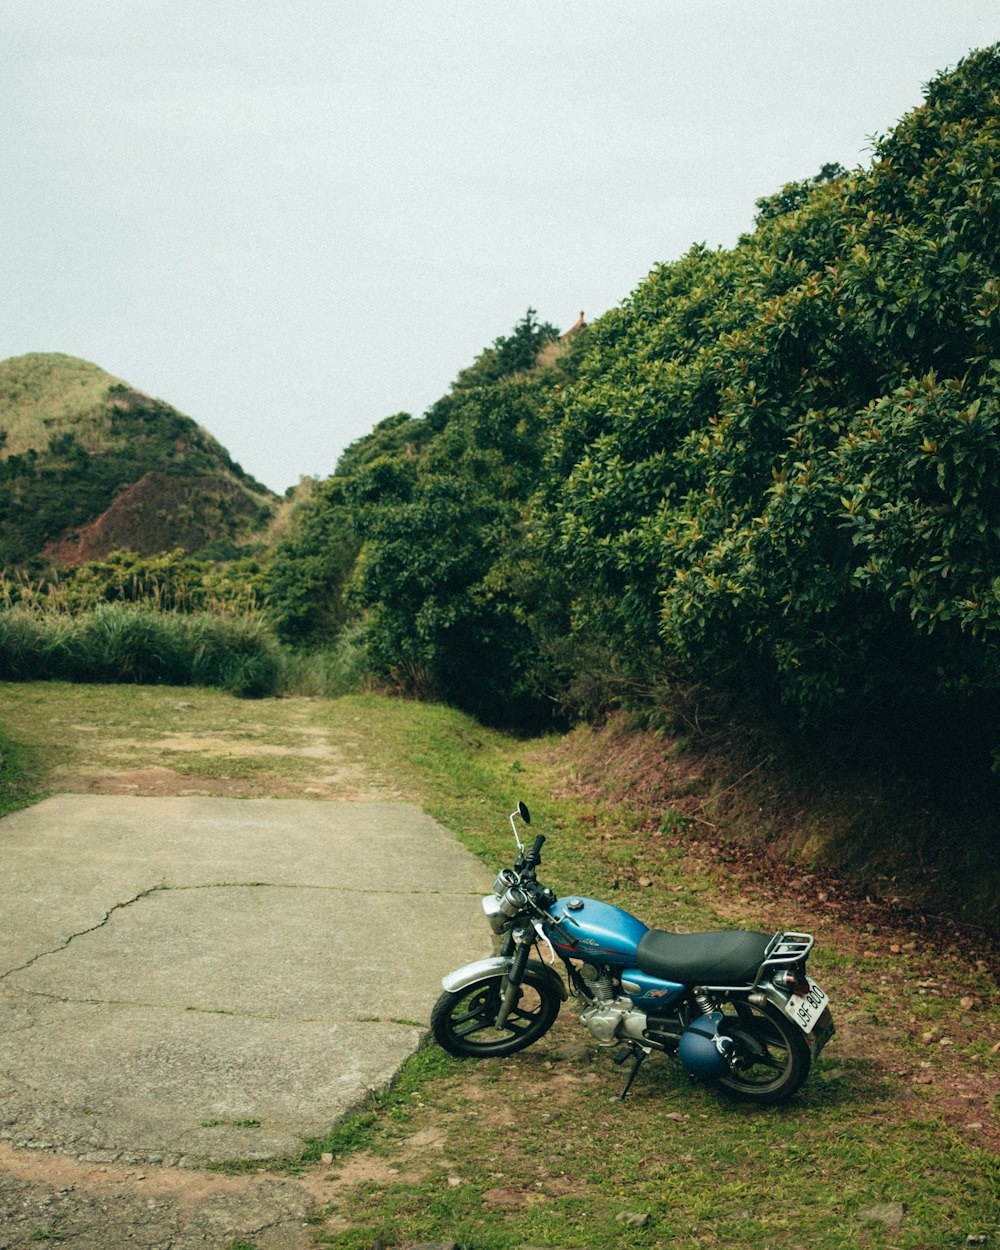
<point>190,979</point>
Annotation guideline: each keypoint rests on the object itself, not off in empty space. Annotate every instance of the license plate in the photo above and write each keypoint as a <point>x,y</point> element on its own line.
<point>806,1009</point>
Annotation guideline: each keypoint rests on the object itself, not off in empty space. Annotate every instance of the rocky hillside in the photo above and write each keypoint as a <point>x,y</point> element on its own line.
<point>89,465</point>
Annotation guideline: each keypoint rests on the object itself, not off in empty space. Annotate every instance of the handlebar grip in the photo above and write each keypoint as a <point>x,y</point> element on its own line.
<point>535,854</point>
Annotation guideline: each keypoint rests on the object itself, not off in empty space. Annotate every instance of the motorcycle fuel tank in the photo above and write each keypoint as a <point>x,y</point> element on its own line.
<point>601,931</point>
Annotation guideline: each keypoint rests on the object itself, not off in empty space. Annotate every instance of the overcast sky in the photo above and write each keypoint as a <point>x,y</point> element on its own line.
<point>291,219</point>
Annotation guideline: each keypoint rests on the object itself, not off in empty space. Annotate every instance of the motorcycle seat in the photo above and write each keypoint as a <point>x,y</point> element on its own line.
<point>728,957</point>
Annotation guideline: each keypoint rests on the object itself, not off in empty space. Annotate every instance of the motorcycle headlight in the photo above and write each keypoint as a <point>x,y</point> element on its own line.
<point>496,918</point>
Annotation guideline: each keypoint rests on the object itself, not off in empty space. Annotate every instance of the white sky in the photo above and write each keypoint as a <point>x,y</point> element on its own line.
<point>291,218</point>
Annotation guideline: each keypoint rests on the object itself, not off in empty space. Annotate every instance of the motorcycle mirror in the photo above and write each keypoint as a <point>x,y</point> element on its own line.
<point>522,811</point>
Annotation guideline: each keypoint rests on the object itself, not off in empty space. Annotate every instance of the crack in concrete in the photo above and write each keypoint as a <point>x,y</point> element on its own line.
<point>138,1004</point>
<point>163,888</point>
<point>153,889</point>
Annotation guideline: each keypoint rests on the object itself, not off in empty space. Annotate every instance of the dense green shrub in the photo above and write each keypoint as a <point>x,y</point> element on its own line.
<point>434,531</point>
<point>779,465</point>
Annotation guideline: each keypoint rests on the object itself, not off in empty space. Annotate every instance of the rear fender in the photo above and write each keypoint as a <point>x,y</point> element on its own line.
<point>770,993</point>
<point>498,966</point>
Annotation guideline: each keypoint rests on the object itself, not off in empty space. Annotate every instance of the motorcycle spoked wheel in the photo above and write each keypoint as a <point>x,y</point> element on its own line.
<point>773,1056</point>
<point>463,1023</point>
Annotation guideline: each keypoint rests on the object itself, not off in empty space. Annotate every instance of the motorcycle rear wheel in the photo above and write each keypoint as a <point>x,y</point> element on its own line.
<point>773,1057</point>
<point>463,1023</point>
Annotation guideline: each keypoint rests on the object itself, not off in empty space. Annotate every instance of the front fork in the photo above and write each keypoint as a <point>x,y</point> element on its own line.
<point>510,984</point>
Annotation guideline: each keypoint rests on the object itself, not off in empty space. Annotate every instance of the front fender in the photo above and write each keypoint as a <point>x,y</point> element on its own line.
<point>498,966</point>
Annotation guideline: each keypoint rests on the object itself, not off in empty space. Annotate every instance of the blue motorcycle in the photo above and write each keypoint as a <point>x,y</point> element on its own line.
<point>737,1008</point>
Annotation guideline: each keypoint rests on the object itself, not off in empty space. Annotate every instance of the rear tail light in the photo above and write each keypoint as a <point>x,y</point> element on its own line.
<point>793,980</point>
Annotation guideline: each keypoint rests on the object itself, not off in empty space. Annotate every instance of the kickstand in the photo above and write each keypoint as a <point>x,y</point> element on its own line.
<point>638,1059</point>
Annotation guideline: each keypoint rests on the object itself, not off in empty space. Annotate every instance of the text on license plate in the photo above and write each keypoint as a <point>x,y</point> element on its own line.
<point>806,1009</point>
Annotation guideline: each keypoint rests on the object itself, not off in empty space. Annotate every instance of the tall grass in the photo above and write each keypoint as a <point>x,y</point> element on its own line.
<point>329,672</point>
<point>121,643</point>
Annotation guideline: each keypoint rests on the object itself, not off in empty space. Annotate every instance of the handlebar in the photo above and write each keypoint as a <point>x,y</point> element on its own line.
<point>534,856</point>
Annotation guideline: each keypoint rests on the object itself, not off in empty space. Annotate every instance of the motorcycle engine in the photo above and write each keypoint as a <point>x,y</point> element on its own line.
<point>612,1022</point>
<point>609,1017</point>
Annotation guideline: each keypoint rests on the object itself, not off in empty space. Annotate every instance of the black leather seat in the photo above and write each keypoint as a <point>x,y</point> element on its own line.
<point>729,957</point>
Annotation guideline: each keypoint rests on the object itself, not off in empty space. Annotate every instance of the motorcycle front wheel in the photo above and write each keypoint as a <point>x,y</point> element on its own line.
<point>772,1055</point>
<point>463,1023</point>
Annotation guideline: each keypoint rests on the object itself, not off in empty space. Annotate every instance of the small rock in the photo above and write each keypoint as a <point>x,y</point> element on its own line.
<point>326,1158</point>
<point>633,1219</point>
<point>968,1003</point>
<point>976,1239</point>
<point>454,1182</point>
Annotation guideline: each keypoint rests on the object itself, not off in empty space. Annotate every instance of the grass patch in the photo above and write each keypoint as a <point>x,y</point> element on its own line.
<point>19,780</point>
<point>535,1151</point>
<point>328,672</point>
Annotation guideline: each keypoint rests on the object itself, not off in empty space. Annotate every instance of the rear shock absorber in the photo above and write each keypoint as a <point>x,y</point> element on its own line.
<point>706,1005</point>
<point>724,1045</point>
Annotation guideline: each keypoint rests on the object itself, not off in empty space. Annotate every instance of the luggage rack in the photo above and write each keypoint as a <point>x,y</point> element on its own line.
<point>784,949</point>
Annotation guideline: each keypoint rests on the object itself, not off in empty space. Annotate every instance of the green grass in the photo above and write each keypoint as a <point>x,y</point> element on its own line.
<point>18,775</point>
<point>48,1232</point>
<point>138,645</point>
<point>535,1150</point>
<point>46,393</point>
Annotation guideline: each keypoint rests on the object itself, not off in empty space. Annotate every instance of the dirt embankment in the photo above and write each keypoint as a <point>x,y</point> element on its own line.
<point>870,827</point>
<point>159,512</point>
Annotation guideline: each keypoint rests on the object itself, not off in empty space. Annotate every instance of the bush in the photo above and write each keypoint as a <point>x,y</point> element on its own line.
<point>326,672</point>
<point>778,467</point>
<point>115,643</point>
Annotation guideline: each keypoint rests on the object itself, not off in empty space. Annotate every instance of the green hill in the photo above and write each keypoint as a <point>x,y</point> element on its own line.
<point>89,465</point>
